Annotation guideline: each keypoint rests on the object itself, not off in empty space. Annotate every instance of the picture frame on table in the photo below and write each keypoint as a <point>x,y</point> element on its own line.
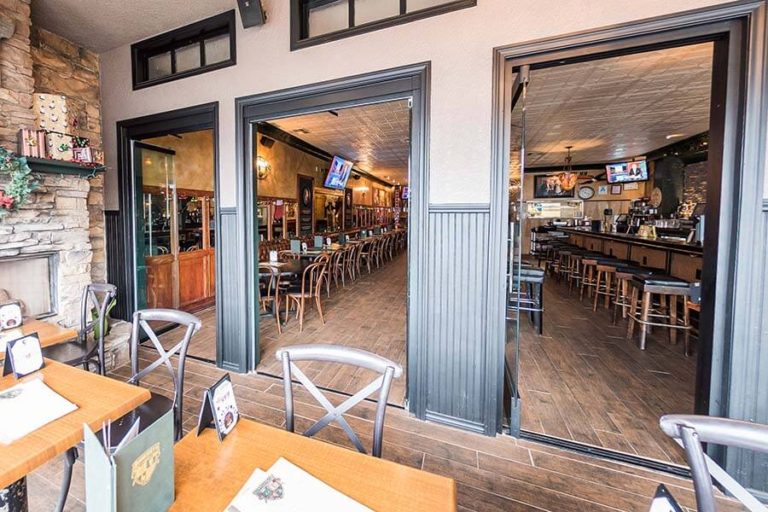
<point>616,190</point>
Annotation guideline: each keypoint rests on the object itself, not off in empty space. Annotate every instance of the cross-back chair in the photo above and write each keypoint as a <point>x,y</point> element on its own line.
<point>89,346</point>
<point>387,371</point>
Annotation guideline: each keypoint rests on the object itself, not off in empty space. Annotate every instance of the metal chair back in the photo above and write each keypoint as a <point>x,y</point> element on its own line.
<point>141,321</point>
<point>691,431</point>
<point>96,296</point>
<point>386,369</point>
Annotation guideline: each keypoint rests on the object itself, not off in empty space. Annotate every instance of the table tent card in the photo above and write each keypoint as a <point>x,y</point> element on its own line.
<point>28,406</point>
<point>136,475</point>
<point>295,245</point>
<point>219,409</point>
<point>286,487</point>
<point>663,501</point>
<point>23,356</point>
<point>318,242</point>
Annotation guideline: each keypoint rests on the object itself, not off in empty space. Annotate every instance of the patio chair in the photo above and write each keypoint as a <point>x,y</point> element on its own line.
<point>691,431</point>
<point>386,369</point>
<point>89,346</point>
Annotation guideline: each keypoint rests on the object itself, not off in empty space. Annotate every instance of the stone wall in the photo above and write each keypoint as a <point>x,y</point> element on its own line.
<point>695,182</point>
<point>16,81</point>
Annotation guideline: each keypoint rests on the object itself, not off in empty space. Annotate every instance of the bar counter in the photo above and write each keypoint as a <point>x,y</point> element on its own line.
<point>679,259</point>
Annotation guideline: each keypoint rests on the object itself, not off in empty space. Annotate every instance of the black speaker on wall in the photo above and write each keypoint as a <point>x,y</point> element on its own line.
<point>252,13</point>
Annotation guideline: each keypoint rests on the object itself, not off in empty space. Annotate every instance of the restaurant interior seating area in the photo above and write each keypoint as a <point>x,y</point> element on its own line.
<point>612,208</point>
<point>388,255</point>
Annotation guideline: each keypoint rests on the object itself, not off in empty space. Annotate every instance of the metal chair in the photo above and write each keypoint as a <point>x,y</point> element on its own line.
<point>89,346</point>
<point>691,431</point>
<point>152,410</point>
<point>387,369</point>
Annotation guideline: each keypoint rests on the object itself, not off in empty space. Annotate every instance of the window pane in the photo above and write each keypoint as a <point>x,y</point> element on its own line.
<point>159,66</point>
<point>188,57</point>
<point>367,11</point>
<point>327,18</point>
<point>217,49</point>
<point>417,5</point>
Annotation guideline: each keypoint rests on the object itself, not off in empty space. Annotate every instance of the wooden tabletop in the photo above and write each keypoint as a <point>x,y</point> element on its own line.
<point>97,398</point>
<point>204,464</point>
<point>49,333</point>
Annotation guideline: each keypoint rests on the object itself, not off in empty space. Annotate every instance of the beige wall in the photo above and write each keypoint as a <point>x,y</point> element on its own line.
<point>192,163</point>
<point>459,46</point>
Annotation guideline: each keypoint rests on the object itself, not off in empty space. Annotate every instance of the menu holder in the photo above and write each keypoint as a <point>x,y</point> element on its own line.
<point>137,476</point>
<point>219,409</point>
<point>295,245</point>
<point>23,356</point>
<point>318,242</point>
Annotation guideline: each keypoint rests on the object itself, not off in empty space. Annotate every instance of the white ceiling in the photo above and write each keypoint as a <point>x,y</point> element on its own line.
<point>102,25</point>
<point>619,107</point>
<point>375,137</point>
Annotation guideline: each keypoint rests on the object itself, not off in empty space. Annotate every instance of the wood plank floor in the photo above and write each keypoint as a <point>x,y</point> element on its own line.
<point>582,381</point>
<point>492,474</point>
<point>368,313</point>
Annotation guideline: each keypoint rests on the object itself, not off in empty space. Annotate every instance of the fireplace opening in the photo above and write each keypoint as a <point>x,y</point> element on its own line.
<point>31,280</point>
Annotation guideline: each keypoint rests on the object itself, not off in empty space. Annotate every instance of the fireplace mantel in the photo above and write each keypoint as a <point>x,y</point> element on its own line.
<point>49,166</point>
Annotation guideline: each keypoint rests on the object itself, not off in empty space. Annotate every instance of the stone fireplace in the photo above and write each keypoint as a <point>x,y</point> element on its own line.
<point>45,248</point>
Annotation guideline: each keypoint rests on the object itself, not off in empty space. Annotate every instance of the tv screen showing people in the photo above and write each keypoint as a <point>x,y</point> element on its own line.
<point>338,174</point>
<point>547,186</point>
<point>627,172</point>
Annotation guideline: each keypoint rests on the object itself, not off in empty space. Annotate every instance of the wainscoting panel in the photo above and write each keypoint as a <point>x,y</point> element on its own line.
<point>456,336</point>
<point>230,300</point>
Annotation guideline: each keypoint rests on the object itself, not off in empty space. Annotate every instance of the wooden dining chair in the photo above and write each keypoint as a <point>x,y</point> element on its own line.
<point>89,346</point>
<point>308,289</point>
<point>350,266</point>
<point>386,370</point>
<point>270,295</point>
<point>158,405</point>
<point>287,255</point>
<point>364,256</point>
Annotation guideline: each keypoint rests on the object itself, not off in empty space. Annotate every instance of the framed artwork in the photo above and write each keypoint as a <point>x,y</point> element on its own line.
<point>545,187</point>
<point>615,190</point>
<point>602,190</point>
<point>82,155</point>
<point>631,186</point>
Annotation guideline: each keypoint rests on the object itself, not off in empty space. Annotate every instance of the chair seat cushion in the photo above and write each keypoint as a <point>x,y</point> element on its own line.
<point>660,280</point>
<point>617,263</point>
<point>147,413</point>
<point>72,352</point>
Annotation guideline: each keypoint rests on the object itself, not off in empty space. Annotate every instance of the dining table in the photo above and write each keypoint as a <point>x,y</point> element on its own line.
<point>203,463</point>
<point>48,333</point>
<point>284,268</point>
<point>97,398</point>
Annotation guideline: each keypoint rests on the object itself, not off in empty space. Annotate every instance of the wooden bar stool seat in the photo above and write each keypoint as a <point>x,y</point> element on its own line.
<point>669,290</point>
<point>605,280</point>
<point>622,296</point>
<point>589,272</point>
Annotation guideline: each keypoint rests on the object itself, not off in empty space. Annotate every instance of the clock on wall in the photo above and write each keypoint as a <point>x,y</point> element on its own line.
<point>586,193</point>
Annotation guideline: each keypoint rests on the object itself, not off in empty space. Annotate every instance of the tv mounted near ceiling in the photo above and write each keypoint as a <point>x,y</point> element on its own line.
<point>338,174</point>
<point>627,172</point>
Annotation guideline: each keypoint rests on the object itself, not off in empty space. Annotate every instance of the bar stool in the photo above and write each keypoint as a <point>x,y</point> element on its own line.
<point>589,263</point>
<point>622,296</point>
<point>574,270</point>
<point>669,290</point>
<point>530,286</point>
<point>605,280</point>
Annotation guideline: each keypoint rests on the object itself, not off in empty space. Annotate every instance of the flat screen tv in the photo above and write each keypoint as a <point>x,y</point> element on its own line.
<point>338,174</point>
<point>627,172</point>
<point>550,187</point>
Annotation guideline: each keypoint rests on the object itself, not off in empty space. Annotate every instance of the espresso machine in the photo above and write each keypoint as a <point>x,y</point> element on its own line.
<point>641,212</point>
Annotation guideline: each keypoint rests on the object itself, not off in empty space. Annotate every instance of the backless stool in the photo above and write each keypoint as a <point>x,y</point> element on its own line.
<point>622,296</point>
<point>589,272</point>
<point>605,281</point>
<point>669,290</point>
<point>530,286</point>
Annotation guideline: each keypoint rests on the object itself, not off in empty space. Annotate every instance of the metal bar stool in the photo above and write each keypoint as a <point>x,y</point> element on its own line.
<point>530,285</point>
<point>669,291</point>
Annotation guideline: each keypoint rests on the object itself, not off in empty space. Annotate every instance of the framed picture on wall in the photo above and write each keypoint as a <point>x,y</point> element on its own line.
<point>631,186</point>
<point>615,190</point>
<point>546,186</point>
<point>602,190</point>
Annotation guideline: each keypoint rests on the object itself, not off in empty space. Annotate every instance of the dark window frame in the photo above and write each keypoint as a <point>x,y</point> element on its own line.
<point>300,16</point>
<point>196,33</point>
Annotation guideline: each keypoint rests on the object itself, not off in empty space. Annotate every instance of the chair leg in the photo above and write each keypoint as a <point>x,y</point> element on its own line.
<point>598,280</point>
<point>319,309</point>
<point>687,323</point>
<point>300,314</point>
<point>646,309</point>
<point>673,319</point>
<point>70,457</point>
<point>632,310</point>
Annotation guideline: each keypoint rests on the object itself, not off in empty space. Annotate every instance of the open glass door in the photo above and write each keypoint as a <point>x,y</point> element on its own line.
<point>156,234</point>
<point>514,250</point>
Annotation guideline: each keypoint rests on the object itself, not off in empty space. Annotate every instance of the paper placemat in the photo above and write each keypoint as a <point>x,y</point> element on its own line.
<point>28,406</point>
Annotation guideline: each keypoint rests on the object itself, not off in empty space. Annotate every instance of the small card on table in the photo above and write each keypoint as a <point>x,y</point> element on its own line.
<point>219,408</point>
<point>23,356</point>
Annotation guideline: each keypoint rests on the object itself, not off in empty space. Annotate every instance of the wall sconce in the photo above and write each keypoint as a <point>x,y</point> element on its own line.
<point>262,167</point>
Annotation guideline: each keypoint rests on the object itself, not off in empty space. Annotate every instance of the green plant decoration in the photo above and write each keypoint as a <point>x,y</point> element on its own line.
<point>20,183</point>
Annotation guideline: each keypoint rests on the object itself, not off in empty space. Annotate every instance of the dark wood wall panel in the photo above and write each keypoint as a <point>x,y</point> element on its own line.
<point>231,334</point>
<point>116,273</point>
<point>456,336</point>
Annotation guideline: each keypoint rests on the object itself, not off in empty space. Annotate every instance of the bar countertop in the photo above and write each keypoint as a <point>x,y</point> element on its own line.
<point>659,243</point>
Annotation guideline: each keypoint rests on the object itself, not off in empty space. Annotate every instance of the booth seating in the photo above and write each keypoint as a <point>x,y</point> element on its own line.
<point>668,291</point>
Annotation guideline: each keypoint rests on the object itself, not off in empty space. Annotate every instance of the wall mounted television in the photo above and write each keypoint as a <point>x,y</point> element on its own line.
<point>627,172</point>
<point>550,187</point>
<point>338,174</point>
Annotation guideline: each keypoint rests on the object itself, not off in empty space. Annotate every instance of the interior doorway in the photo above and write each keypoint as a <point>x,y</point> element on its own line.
<point>360,217</point>
<point>613,159</point>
